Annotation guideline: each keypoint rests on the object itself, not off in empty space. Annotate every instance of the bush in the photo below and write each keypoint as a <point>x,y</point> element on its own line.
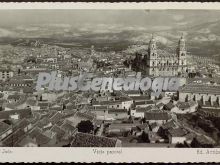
<point>85,126</point>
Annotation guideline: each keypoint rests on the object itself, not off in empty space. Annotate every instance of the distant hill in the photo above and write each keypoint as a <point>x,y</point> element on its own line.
<point>202,39</point>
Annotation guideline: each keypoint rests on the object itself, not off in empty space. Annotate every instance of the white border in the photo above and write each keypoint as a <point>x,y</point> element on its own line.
<point>142,155</point>
<point>71,154</point>
<point>104,5</point>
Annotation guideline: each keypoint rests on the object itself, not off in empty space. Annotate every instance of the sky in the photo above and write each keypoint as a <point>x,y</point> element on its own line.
<point>124,17</point>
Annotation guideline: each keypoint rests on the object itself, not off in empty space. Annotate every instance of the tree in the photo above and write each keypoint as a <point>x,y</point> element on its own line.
<point>180,145</point>
<point>144,137</point>
<point>85,126</point>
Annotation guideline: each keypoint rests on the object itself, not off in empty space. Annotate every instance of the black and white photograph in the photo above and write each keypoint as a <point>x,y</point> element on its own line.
<point>141,78</point>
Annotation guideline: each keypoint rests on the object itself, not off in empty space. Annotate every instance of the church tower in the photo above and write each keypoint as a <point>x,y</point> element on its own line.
<point>181,55</point>
<point>152,57</point>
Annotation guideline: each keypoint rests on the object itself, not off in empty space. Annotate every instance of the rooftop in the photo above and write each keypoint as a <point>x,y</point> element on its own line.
<point>3,127</point>
<point>23,113</point>
<point>201,89</point>
<point>177,132</point>
<point>89,140</point>
<point>156,116</point>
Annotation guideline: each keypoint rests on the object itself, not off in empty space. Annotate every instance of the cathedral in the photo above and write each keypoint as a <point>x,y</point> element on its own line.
<point>160,63</point>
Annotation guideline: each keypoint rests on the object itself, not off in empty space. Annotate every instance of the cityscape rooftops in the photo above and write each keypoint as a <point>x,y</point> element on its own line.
<point>177,132</point>
<point>117,111</point>
<point>156,116</point>
<point>201,89</point>
<point>89,140</point>
<point>22,113</point>
<point>3,127</point>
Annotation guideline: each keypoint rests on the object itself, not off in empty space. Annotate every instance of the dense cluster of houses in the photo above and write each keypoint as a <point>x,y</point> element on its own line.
<point>34,118</point>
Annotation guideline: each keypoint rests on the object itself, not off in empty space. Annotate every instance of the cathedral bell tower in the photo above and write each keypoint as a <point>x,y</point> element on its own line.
<point>152,57</point>
<point>181,53</point>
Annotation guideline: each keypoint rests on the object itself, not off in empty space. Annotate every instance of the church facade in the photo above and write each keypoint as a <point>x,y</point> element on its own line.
<point>160,63</point>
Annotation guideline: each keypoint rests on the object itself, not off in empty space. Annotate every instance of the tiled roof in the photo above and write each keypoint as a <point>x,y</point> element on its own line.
<point>111,102</point>
<point>169,105</point>
<point>84,116</point>
<point>51,113</point>
<point>132,92</point>
<point>177,132</point>
<point>43,122</point>
<point>59,131</point>
<point>110,111</point>
<point>160,105</point>
<point>144,102</point>
<point>21,124</point>
<point>100,107</point>
<point>23,113</point>
<point>123,125</point>
<point>25,140</point>
<point>169,125</point>
<point>185,105</point>
<point>156,116</point>
<point>49,133</point>
<point>15,97</point>
<point>37,134</point>
<point>88,140</point>
<point>68,127</point>
<point>13,138</point>
<point>203,140</point>
<point>43,104</point>
<point>56,107</point>
<point>145,109</point>
<point>210,110</point>
<point>138,98</point>
<point>3,127</point>
<point>201,89</point>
